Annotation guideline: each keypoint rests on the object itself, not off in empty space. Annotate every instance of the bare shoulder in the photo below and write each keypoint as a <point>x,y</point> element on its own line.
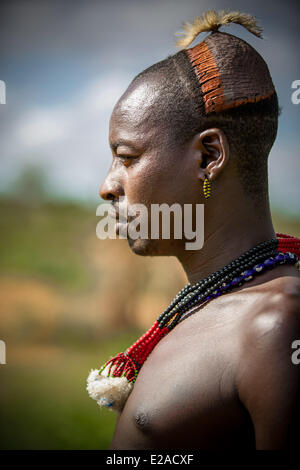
<point>276,315</point>
<point>269,330</point>
<point>268,380</point>
<point>268,335</point>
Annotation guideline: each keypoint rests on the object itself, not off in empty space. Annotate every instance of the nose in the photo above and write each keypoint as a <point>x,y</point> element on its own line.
<point>111,188</point>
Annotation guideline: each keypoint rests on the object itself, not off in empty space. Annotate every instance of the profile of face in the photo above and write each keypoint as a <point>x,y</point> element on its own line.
<point>147,168</point>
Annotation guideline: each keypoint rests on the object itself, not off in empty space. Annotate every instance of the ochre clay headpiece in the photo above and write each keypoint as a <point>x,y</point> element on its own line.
<point>229,70</point>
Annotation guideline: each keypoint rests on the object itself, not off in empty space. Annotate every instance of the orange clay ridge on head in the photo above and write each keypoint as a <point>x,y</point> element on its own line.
<point>229,70</point>
<point>207,73</point>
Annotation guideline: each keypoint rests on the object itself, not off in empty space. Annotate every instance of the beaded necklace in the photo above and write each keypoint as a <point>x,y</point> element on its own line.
<point>111,385</point>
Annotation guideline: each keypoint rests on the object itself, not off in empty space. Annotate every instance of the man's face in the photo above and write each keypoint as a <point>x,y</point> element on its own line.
<point>145,168</point>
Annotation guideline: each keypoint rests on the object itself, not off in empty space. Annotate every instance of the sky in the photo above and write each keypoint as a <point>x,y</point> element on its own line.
<point>66,63</point>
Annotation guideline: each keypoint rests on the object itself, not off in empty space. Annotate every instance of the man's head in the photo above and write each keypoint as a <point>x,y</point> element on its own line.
<point>201,111</point>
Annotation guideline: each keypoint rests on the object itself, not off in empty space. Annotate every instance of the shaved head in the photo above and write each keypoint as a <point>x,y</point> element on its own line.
<point>167,100</point>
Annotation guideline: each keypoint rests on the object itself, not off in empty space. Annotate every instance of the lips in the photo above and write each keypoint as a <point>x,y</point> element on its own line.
<point>114,214</point>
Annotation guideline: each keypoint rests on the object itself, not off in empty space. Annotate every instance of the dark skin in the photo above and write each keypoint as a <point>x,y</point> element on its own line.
<point>223,378</point>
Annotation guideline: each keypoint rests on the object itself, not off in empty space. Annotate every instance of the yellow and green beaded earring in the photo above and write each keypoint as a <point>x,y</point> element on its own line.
<point>206,188</point>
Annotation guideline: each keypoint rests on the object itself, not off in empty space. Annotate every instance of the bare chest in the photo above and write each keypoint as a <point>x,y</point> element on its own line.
<point>185,396</point>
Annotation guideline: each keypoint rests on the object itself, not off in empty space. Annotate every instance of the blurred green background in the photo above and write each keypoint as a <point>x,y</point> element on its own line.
<point>68,302</point>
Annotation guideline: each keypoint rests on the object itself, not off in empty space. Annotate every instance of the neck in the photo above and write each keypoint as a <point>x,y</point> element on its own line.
<point>226,236</point>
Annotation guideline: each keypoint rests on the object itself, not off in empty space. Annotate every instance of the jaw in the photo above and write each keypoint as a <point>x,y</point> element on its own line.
<point>157,247</point>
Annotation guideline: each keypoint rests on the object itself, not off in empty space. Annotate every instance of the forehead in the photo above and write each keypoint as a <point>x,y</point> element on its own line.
<point>132,114</point>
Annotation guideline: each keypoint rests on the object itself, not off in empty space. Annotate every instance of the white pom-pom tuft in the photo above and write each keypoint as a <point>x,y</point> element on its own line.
<point>110,392</point>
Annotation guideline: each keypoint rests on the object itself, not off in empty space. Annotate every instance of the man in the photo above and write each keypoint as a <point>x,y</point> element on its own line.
<point>223,377</point>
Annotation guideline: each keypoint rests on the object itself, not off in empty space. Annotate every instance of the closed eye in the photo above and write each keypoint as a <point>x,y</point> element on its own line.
<point>126,159</point>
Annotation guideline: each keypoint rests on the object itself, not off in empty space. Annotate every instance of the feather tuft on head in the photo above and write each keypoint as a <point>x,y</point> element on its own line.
<point>212,20</point>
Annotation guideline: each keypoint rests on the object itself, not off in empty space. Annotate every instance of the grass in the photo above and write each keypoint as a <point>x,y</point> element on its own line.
<point>43,402</point>
<point>45,242</point>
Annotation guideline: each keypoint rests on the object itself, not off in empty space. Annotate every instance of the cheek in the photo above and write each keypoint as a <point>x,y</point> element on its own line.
<point>150,182</point>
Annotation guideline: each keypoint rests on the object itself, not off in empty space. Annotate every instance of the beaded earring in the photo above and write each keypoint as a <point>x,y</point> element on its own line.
<point>206,188</point>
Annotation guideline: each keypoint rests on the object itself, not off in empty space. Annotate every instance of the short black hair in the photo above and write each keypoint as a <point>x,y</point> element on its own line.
<point>250,128</point>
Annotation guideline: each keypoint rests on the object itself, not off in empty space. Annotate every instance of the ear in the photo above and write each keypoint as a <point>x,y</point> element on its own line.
<point>214,152</point>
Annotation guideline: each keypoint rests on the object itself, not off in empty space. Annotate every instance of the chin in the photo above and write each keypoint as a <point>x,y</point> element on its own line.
<point>145,247</point>
<point>157,247</point>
